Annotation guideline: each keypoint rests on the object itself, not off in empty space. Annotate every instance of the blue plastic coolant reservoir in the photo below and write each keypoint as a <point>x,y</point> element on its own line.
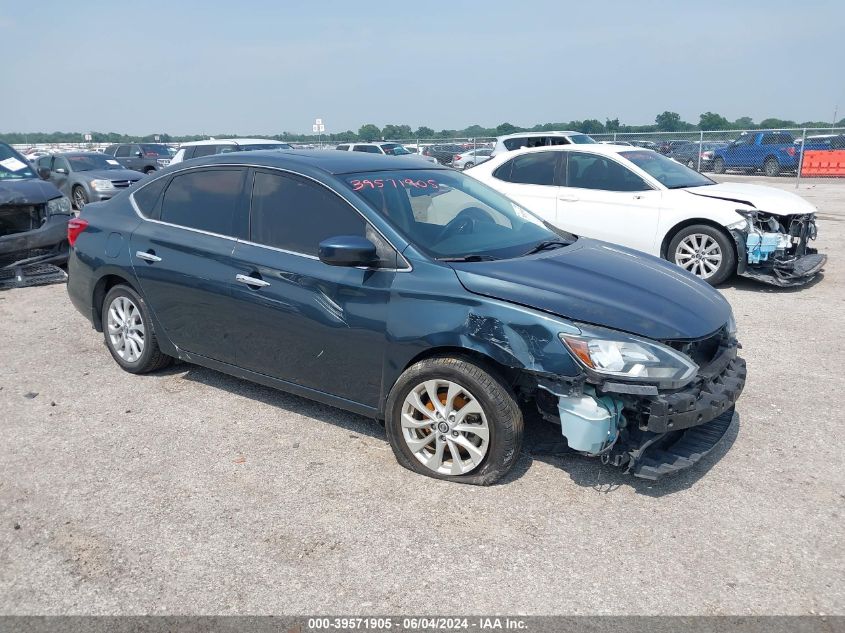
<point>761,245</point>
<point>589,423</point>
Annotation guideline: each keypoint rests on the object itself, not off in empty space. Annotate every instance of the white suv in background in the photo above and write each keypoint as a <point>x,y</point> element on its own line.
<point>195,149</point>
<point>388,148</point>
<point>520,140</point>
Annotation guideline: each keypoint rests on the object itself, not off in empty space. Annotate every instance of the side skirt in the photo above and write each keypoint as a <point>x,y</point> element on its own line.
<point>276,383</point>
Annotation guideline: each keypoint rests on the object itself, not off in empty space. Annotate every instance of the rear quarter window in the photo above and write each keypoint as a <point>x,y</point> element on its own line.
<point>147,196</point>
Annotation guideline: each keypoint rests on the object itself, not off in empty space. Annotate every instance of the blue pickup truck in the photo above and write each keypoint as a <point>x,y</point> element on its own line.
<point>771,152</point>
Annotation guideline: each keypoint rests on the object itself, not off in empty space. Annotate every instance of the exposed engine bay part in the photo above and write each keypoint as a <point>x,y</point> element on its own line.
<point>590,423</point>
<point>775,249</point>
<point>650,431</point>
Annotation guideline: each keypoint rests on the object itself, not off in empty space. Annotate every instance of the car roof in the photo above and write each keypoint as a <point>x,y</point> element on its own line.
<point>77,154</point>
<point>549,133</point>
<point>592,148</point>
<point>234,141</point>
<point>327,161</point>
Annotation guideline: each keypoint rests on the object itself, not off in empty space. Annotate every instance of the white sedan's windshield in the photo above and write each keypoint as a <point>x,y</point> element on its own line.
<point>670,173</point>
<point>452,216</point>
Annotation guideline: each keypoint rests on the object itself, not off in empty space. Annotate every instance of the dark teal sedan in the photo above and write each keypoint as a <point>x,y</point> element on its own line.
<point>417,296</point>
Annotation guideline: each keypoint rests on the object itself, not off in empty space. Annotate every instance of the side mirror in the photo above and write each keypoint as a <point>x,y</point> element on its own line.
<point>43,173</point>
<point>60,170</point>
<point>347,250</point>
<point>139,154</point>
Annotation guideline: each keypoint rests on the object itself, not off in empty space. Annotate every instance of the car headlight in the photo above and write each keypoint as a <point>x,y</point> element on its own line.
<point>731,326</point>
<point>59,206</point>
<point>738,226</point>
<point>619,355</point>
<point>102,185</point>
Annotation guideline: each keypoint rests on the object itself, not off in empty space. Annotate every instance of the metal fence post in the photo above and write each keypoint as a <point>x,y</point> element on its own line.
<point>700,147</point>
<point>801,158</point>
<point>614,137</point>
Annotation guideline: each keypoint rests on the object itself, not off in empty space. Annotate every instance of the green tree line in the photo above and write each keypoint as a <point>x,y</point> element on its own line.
<point>663,122</point>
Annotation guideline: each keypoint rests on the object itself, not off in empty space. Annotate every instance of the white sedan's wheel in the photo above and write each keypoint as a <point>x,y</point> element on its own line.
<point>699,254</point>
<point>705,251</point>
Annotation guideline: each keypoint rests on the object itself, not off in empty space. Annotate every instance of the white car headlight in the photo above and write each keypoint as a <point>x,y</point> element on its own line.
<point>731,327</point>
<point>102,185</point>
<point>59,206</point>
<point>626,357</point>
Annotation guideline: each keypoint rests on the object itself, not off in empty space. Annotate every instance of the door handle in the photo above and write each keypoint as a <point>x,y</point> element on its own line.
<point>568,198</point>
<point>252,281</point>
<point>147,257</point>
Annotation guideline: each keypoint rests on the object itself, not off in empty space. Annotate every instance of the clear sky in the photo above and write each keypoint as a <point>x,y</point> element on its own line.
<point>190,67</point>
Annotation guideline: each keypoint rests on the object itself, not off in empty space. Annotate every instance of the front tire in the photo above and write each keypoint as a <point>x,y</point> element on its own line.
<point>451,419</point>
<point>468,165</point>
<point>129,333</point>
<point>79,197</point>
<point>704,251</point>
<point>719,165</point>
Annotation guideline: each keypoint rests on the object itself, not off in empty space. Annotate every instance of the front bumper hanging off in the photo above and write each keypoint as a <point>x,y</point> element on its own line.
<point>656,432</point>
<point>775,249</point>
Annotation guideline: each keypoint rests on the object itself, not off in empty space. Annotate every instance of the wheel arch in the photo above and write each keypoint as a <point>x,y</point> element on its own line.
<point>680,226</point>
<point>101,289</point>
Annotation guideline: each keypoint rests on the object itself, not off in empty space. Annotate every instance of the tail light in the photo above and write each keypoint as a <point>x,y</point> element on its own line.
<point>457,157</point>
<point>75,226</point>
<point>790,151</point>
<point>707,155</point>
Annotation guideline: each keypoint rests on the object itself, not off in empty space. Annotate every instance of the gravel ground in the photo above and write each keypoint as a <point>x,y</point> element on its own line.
<point>192,492</point>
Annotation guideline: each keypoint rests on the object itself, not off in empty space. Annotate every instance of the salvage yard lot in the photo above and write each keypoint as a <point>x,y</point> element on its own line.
<point>189,491</point>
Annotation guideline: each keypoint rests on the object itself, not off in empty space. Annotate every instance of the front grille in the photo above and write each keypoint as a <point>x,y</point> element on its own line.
<point>123,184</point>
<point>21,218</point>
<point>702,351</point>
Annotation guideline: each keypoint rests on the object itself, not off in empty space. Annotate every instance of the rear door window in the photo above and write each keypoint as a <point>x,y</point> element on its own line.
<point>530,169</point>
<point>204,200</point>
<point>205,150</point>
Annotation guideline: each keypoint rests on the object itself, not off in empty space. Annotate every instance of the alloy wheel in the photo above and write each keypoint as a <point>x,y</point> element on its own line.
<point>699,254</point>
<point>126,329</point>
<point>445,427</point>
<point>79,198</point>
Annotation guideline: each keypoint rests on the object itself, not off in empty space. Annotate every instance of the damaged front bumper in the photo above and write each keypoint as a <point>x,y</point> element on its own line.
<point>775,249</point>
<point>32,243</point>
<point>649,431</point>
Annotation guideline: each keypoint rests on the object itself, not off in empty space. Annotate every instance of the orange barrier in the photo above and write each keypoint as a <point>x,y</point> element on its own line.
<point>823,163</point>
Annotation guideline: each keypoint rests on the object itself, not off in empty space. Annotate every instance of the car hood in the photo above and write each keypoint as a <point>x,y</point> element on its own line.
<point>606,285</point>
<point>760,197</point>
<point>28,191</point>
<point>112,174</point>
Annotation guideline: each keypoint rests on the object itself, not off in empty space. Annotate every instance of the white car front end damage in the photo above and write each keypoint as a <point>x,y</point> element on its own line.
<point>773,235</point>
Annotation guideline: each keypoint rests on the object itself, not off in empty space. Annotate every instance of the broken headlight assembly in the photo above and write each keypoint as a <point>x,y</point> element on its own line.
<point>609,354</point>
<point>59,206</point>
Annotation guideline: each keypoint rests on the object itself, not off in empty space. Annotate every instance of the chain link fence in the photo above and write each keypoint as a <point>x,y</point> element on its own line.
<point>794,155</point>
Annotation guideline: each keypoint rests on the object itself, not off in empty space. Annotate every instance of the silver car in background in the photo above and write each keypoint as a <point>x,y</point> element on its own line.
<point>86,176</point>
<point>471,157</point>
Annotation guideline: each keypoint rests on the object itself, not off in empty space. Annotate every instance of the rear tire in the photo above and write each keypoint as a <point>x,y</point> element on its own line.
<point>704,251</point>
<point>129,333</point>
<point>771,167</point>
<point>719,165</point>
<point>468,165</point>
<point>434,439</point>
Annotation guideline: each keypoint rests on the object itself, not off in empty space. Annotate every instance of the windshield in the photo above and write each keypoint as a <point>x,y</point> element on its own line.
<point>581,139</point>
<point>13,166</point>
<point>670,173</point>
<point>155,150</point>
<point>449,215</point>
<point>394,149</point>
<point>90,162</point>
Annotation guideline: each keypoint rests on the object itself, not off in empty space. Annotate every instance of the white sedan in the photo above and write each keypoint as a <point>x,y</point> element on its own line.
<point>641,199</point>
